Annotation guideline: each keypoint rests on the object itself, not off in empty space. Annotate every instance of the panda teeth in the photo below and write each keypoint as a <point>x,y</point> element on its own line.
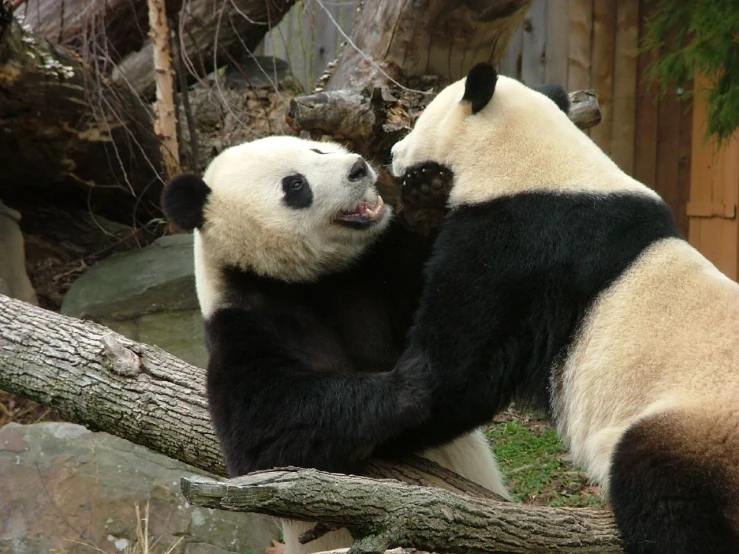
<point>372,214</point>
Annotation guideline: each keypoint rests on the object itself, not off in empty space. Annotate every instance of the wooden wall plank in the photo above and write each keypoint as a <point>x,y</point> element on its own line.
<point>534,44</point>
<point>558,40</point>
<point>646,115</point>
<point>701,189</point>
<point>668,151</point>
<point>578,59</point>
<point>624,91</point>
<point>510,63</point>
<point>602,69</point>
<point>679,211</point>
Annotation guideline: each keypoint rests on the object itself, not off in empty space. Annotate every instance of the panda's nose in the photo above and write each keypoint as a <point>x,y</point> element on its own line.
<point>358,170</point>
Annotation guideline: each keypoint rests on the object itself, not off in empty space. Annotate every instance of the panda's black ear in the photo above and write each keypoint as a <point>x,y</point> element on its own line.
<point>557,94</point>
<point>183,200</point>
<point>480,86</point>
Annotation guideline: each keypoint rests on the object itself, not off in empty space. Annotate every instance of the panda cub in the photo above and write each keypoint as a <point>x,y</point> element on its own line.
<point>558,278</point>
<point>307,285</point>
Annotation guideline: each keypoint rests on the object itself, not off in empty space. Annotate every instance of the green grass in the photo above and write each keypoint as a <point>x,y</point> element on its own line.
<point>533,460</point>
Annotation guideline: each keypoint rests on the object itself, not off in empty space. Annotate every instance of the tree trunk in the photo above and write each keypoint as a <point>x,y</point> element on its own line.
<point>383,513</point>
<point>165,120</point>
<point>397,41</point>
<point>212,32</point>
<point>65,132</point>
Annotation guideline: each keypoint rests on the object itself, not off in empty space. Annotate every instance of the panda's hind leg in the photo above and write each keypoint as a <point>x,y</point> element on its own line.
<point>674,483</point>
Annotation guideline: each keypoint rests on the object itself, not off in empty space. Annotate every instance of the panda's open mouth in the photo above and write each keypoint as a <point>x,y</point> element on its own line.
<point>365,213</point>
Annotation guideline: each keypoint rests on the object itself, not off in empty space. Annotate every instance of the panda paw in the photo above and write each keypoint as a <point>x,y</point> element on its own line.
<point>426,185</point>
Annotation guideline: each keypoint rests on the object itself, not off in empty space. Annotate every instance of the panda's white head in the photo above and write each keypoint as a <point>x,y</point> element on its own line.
<point>500,137</point>
<point>281,207</point>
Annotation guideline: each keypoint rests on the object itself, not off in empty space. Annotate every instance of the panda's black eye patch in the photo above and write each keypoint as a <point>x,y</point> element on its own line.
<point>297,191</point>
<point>318,151</point>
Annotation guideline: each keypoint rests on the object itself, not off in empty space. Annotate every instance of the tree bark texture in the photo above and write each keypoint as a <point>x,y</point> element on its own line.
<point>165,119</point>
<point>399,40</point>
<point>212,32</point>
<point>387,513</point>
<point>92,376</point>
<point>66,132</point>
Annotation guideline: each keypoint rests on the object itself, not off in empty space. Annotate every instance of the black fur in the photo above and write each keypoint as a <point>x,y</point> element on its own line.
<point>508,285</point>
<point>669,497</point>
<point>294,376</point>
<point>480,86</point>
<point>557,94</point>
<point>183,200</point>
<point>297,192</point>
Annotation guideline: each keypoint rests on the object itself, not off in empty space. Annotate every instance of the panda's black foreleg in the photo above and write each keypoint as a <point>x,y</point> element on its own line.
<point>270,408</point>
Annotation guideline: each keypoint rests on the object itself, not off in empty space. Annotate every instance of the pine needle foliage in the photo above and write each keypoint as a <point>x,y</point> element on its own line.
<point>698,36</point>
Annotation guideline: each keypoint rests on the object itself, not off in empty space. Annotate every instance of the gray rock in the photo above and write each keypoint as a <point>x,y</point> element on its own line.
<point>147,295</point>
<point>67,489</point>
<point>157,278</point>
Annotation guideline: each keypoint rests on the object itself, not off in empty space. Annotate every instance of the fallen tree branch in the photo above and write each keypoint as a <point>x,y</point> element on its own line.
<point>212,32</point>
<point>358,115</point>
<point>64,132</point>
<point>387,513</point>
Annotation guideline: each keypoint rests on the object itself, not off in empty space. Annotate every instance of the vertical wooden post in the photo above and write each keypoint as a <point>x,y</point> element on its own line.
<point>714,193</point>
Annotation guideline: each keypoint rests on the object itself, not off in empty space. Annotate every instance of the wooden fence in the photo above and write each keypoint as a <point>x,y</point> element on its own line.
<point>310,36</point>
<point>593,44</point>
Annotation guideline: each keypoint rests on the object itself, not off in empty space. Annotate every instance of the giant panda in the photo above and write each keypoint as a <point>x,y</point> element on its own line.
<point>307,285</point>
<point>559,279</point>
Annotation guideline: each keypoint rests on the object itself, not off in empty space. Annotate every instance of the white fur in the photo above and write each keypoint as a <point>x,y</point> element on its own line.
<point>521,141</point>
<point>247,224</point>
<point>664,338</point>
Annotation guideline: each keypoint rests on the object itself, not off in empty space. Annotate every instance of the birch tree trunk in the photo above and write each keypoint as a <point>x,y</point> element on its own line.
<point>165,120</point>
